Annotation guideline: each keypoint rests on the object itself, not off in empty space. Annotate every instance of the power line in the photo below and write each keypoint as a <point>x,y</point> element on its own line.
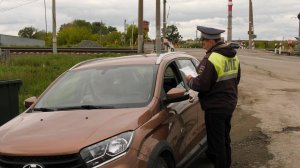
<point>23,3</point>
<point>19,2</point>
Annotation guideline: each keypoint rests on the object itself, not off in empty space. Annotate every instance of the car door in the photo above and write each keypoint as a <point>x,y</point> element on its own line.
<point>183,119</point>
<point>195,106</point>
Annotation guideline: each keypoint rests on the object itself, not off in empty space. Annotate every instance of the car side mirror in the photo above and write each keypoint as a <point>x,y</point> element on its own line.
<point>29,101</point>
<point>176,95</point>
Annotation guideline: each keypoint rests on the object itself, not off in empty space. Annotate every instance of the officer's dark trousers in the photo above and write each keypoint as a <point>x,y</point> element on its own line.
<point>218,139</point>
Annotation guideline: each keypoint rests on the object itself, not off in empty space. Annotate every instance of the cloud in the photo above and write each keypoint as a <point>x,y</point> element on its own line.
<point>272,19</point>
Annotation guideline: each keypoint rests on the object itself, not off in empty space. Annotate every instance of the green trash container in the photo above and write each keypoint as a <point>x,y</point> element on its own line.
<point>9,99</point>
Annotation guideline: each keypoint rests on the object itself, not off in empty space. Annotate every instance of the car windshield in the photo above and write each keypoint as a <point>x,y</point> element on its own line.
<point>98,88</point>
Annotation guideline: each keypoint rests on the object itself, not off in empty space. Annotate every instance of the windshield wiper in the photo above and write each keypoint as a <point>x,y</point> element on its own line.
<point>86,107</point>
<point>96,107</point>
<point>43,109</point>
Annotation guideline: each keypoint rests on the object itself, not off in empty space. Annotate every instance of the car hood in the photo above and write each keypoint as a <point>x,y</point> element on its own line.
<point>66,132</point>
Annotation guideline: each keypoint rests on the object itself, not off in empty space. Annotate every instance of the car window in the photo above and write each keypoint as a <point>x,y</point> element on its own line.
<point>172,78</point>
<point>119,86</point>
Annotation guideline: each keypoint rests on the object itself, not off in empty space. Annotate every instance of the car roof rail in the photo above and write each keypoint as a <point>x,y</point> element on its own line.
<point>85,62</point>
<point>162,56</point>
<point>165,55</point>
<point>103,59</point>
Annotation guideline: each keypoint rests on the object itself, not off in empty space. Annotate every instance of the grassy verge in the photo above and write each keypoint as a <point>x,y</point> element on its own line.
<point>38,71</point>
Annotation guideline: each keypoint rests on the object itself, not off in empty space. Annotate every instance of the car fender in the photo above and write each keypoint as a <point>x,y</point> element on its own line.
<point>154,134</point>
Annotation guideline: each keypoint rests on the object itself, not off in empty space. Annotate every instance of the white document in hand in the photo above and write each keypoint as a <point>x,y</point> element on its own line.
<point>188,71</point>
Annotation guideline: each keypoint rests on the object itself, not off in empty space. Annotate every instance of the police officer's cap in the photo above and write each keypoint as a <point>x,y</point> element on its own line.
<point>210,33</point>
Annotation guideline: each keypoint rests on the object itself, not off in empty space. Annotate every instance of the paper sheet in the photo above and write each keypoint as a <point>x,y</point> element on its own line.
<point>188,71</point>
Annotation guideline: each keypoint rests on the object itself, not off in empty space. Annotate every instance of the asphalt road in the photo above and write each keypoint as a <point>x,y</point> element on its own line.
<point>265,127</point>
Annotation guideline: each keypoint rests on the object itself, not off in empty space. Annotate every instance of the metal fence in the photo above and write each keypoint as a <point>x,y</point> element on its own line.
<point>4,55</point>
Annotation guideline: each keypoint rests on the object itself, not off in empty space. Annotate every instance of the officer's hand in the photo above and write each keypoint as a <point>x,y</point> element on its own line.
<point>189,77</point>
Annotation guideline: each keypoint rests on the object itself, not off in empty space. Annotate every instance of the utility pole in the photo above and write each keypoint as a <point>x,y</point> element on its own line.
<point>132,27</point>
<point>54,27</point>
<point>164,20</point>
<point>140,25</point>
<point>251,27</point>
<point>229,29</point>
<point>125,26</point>
<point>158,40</point>
<point>164,24</point>
<point>45,17</point>
<point>297,46</point>
<point>299,25</point>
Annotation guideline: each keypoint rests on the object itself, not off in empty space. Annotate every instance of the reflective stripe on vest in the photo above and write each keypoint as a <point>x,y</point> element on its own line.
<point>226,68</point>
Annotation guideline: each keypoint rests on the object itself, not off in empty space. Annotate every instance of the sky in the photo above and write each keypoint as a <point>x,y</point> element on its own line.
<point>273,19</point>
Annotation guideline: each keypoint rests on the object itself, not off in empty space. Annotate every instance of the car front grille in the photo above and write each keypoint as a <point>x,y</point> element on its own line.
<point>65,161</point>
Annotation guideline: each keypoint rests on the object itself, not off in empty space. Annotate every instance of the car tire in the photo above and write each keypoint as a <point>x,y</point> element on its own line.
<point>163,162</point>
<point>161,156</point>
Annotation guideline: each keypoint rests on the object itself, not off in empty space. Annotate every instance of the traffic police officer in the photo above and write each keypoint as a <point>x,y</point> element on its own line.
<point>217,81</point>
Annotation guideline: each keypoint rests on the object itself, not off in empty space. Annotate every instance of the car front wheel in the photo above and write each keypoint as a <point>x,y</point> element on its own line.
<point>163,163</point>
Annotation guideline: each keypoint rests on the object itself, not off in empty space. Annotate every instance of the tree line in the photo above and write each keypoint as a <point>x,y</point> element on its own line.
<point>72,33</point>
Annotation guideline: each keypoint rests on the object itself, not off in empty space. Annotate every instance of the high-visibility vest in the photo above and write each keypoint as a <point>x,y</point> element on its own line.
<point>226,67</point>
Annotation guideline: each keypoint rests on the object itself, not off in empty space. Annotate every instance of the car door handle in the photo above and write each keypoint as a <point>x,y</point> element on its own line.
<point>191,99</point>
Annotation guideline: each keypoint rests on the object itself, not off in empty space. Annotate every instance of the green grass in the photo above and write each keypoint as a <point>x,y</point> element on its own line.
<point>38,71</point>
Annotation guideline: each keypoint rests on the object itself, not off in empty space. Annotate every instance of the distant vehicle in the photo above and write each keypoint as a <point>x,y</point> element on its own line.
<point>126,112</point>
<point>234,45</point>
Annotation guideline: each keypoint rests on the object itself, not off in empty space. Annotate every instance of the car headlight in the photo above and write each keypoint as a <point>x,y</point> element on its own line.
<point>107,150</point>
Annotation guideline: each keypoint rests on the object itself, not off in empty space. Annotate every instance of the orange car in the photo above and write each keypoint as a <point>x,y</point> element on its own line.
<point>126,112</point>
